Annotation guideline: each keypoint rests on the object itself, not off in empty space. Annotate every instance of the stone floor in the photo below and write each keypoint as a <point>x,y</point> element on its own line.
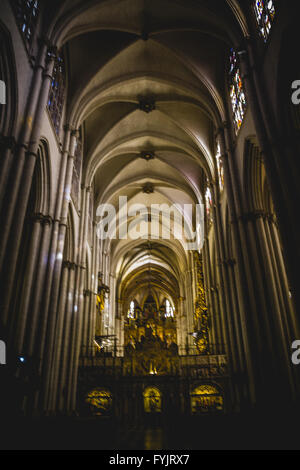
<point>207,433</point>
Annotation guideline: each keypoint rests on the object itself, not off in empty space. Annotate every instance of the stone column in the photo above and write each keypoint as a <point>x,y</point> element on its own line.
<point>214,329</point>
<point>22,145</point>
<point>33,336</point>
<point>180,327</point>
<point>245,290</point>
<point>87,296</point>
<point>7,151</point>
<point>279,164</point>
<point>78,317</point>
<point>48,324</point>
<point>119,321</point>
<point>22,313</point>
<point>64,358</point>
<point>58,346</point>
<point>92,329</point>
<point>17,209</point>
<point>281,338</point>
<point>56,247</point>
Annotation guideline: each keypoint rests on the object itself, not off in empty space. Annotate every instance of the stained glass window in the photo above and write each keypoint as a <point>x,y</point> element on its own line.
<point>237,94</point>
<point>131,310</point>
<point>265,14</point>
<point>208,205</point>
<point>57,92</point>
<point>220,168</point>
<point>169,309</point>
<point>26,12</point>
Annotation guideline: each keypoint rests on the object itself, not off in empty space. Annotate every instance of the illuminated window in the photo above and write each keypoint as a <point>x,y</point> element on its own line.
<point>26,12</point>
<point>208,205</point>
<point>206,399</point>
<point>131,310</point>
<point>265,14</point>
<point>169,309</point>
<point>99,402</point>
<point>152,400</point>
<point>237,94</point>
<point>220,168</point>
<point>57,92</point>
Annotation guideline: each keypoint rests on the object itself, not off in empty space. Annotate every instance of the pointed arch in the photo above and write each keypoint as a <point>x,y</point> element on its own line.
<point>8,111</point>
<point>43,173</point>
<point>69,246</point>
<point>257,192</point>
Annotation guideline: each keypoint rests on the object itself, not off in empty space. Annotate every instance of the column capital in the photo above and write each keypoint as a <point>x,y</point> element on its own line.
<point>254,215</point>
<point>214,289</point>
<point>67,127</point>
<point>69,265</point>
<point>7,142</point>
<point>48,220</point>
<point>30,153</point>
<point>229,262</point>
<point>86,188</point>
<point>43,219</point>
<point>52,50</point>
<point>87,293</point>
<point>74,132</point>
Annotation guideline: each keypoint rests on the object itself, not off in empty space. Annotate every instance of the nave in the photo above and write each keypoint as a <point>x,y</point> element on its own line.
<point>149,242</point>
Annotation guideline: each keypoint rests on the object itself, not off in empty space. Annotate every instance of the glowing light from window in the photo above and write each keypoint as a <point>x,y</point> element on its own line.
<point>220,168</point>
<point>237,94</point>
<point>169,309</point>
<point>265,14</point>
<point>208,205</point>
<point>57,92</point>
<point>131,310</point>
<point>26,12</point>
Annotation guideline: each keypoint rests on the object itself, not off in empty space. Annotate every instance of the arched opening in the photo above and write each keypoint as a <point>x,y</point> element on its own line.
<point>99,402</point>
<point>148,278</point>
<point>206,399</point>
<point>152,400</point>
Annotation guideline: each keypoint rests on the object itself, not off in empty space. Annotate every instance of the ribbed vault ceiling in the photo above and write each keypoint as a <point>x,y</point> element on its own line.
<point>171,54</point>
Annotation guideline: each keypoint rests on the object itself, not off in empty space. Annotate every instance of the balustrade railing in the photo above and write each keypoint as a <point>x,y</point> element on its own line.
<point>112,361</point>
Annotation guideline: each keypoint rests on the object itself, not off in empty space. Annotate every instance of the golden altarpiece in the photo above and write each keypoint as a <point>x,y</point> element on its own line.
<point>151,378</point>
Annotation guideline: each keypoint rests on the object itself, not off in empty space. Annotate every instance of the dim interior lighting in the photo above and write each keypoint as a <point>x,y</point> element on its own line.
<point>22,359</point>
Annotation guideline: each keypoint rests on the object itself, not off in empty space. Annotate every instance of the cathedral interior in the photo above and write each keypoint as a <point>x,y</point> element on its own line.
<point>149,244</point>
